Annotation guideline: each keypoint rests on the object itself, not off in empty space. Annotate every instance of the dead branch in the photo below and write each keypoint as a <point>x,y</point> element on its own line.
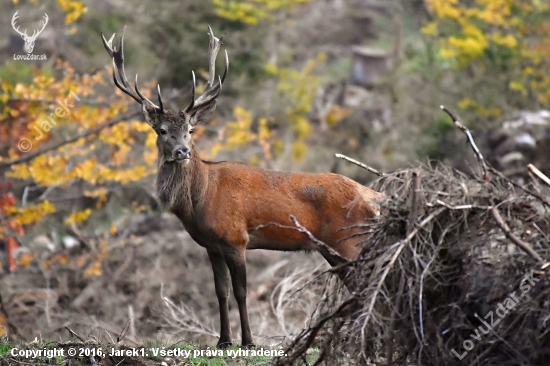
<point>72,332</point>
<point>471,141</point>
<point>415,202</point>
<point>523,245</point>
<point>302,229</point>
<point>539,174</point>
<point>364,166</point>
<point>400,246</point>
<point>508,180</point>
<point>496,343</point>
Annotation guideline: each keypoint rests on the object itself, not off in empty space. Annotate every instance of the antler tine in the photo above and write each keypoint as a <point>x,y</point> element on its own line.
<point>226,67</point>
<point>117,53</point>
<point>118,57</point>
<point>210,88</point>
<point>143,97</point>
<point>123,88</point>
<point>108,44</point>
<point>161,105</point>
<point>218,89</point>
<point>213,50</point>
<point>190,106</point>
<point>211,91</point>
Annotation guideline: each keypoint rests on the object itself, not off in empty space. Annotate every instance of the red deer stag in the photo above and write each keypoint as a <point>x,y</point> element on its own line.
<point>228,207</point>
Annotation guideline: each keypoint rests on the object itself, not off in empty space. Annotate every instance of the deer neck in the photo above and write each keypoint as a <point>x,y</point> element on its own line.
<point>181,188</point>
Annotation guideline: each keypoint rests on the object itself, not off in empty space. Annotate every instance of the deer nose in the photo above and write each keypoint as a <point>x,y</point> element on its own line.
<point>184,153</point>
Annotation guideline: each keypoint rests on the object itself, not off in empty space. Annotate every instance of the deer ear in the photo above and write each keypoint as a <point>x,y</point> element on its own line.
<point>203,114</point>
<point>150,115</point>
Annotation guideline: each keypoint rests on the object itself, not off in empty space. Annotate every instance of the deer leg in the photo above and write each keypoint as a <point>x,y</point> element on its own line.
<point>221,281</point>
<point>236,261</point>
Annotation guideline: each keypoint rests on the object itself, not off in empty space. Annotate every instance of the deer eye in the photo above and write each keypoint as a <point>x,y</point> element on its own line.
<point>162,131</point>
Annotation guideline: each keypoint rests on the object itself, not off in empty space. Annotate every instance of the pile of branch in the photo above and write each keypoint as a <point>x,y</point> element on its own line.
<point>453,272</point>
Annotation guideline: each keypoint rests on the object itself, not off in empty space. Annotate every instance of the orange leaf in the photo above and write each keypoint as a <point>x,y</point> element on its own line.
<point>80,261</point>
<point>26,259</point>
<point>12,245</point>
<point>93,269</point>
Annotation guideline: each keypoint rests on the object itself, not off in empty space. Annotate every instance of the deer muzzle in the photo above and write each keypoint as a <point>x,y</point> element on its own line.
<point>182,154</point>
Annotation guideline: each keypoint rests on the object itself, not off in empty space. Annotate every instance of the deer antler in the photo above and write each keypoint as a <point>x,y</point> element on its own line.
<point>117,53</point>
<point>212,91</point>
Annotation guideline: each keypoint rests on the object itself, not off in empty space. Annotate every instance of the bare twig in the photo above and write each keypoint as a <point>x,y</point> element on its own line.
<point>71,332</point>
<point>523,245</point>
<point>317,241</point>
<point>459,207</point>
<point>400,246</point>
<point>183,318</point>
<point>414,204</point>
<point>471,141</point>
<point>495,344</point>
<point>313,333</point>
<point>111,338</point>
<point>364,166</point>
<point>508,180</point>
<point>539,174</point>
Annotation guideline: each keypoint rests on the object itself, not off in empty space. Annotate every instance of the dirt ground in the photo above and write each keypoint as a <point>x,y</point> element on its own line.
<point>153,284</point>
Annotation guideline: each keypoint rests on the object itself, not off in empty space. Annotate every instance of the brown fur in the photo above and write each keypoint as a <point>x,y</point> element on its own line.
<point>229,207</point>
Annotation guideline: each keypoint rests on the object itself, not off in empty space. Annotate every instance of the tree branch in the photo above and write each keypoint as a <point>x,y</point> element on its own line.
<point>520,243</point>
<point>533,169</point>
<point>471,141</point>
<point>30,156</point>
<point>372,170</point>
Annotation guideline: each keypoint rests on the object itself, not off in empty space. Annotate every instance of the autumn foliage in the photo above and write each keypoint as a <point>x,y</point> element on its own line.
<point>502,39</point>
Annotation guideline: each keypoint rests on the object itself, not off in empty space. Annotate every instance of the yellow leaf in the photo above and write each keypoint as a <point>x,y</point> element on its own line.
<point>336,114</point>
<point>34,213</point>
<point>430,29</point>
<point>78,217</point>
<point>465,103</point>
<point>299,150</point>
<point>514,85</point>
<point>506,41</point>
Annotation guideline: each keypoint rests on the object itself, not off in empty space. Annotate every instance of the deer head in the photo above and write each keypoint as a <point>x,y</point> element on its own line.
<point>29,40</point>
<point>173,130</point>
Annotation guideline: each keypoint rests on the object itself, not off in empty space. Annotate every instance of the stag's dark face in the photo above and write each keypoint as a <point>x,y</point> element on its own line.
<point>174,140</point>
